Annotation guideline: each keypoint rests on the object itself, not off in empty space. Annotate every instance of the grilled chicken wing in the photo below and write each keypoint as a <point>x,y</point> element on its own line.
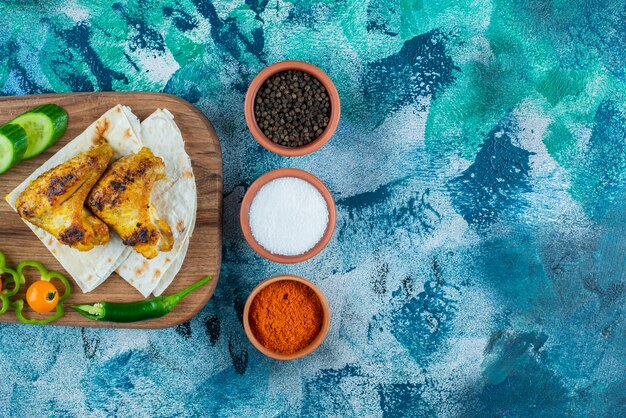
<point>121,198</point>
<point>55,200</point>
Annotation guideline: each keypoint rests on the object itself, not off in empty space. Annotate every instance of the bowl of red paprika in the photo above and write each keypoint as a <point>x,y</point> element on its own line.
<point>286,317</point>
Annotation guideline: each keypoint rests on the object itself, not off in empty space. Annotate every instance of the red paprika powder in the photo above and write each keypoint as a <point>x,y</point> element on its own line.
<point>286,316</point>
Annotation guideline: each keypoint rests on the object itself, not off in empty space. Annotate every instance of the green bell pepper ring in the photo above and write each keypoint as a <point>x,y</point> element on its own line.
<point>4,301</point>
<point>15,277</point>
<point>46,275</point>
<point>137,311</point>
<point>5,294</point>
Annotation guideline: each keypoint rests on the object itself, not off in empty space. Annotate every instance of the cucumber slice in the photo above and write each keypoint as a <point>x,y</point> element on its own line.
<point>44,125</point>
<point>13,144</point>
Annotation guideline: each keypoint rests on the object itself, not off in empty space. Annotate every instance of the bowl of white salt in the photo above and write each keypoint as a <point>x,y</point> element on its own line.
<point>288,215</point>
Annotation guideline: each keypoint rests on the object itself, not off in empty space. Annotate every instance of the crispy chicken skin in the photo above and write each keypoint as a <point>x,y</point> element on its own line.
<point>55,200</point>
<point>121,198</point>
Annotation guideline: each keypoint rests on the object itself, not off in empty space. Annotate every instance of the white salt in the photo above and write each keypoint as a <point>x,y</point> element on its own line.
<point>288,216</point>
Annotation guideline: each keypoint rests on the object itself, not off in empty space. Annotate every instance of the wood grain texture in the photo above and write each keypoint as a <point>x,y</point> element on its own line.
<point>205,249</point>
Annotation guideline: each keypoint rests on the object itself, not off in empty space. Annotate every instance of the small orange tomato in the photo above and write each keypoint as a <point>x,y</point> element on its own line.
<point>42,296</point>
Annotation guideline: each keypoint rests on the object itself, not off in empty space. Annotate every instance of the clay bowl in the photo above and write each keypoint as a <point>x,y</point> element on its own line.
<point>244,217</point>
<point>305,351</point>
<point>335,108</point>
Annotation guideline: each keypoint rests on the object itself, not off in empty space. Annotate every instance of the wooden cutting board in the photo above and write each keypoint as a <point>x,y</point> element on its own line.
<point>19,243</point>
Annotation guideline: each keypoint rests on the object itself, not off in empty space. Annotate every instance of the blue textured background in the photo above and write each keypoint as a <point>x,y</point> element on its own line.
<point>478,266</point>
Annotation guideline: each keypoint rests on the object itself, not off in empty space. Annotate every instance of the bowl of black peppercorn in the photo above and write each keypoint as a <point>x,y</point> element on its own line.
<point>292,108</point>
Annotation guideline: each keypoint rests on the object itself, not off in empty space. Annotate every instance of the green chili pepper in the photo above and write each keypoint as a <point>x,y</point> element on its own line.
<point>137,311</point>
<point>5,294</point>
<point>46,275</point>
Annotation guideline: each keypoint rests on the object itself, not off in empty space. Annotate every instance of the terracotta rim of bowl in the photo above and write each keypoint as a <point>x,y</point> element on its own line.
<point>244,214</point>
<point>335,108</point>
<point>308,349</point>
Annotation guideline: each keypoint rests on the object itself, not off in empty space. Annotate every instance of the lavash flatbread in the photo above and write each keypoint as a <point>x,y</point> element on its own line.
<point>89,268</point>
<point>175,199</point>
<point>173,270</point>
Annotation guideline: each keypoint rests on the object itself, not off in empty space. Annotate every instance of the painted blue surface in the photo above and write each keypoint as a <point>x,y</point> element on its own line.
<point>479,169</point>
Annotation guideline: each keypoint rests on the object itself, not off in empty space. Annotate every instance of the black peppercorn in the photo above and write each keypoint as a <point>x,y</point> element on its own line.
<point>292,108</point>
